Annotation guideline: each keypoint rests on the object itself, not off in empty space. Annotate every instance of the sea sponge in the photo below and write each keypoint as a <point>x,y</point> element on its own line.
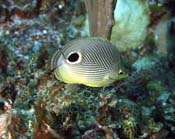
<point>131,21</point>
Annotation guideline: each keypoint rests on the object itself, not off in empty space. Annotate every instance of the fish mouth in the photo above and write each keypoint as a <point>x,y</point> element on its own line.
<point>123,76</point>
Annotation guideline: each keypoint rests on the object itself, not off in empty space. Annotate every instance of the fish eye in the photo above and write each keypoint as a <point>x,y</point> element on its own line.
<point>74,58</point>
<point>120,72</point>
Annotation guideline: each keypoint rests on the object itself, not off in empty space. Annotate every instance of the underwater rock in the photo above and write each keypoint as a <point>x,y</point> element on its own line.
<point>131,21</point>
<point>171,42</point>
<point>165,39</point>
<point>160,37</point>
<point>5,119</point>
<point>36,46</point>
<point>3,59</point>
<point>42,57</point>
<point>65,12</point>
<point>164,32</point>
<point>8,90</point>
<point>145,63</point>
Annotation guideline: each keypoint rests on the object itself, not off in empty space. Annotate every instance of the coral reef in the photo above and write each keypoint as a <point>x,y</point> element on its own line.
<point>33,104</point>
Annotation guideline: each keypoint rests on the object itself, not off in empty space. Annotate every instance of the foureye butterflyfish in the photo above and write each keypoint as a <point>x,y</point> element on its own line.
<point>90,61</point>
